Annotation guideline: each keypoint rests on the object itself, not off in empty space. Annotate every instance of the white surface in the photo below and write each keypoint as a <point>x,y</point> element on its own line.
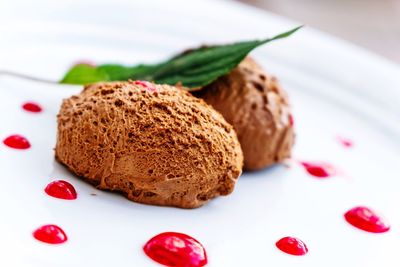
<point>335,88</point>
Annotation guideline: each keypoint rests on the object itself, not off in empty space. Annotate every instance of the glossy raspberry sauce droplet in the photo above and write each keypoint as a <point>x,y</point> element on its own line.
<point>346,142</point>
<point>291,120</point>
<point>366,219</point>
<point>61,189</point>
<point>32,107</point>
<point>17,141</point>
<point>319,169</point>
<point>85,62</point>
<point>148,85</point>
<point>51,234</point>
<point>176,249</point>
<point>292,246</point>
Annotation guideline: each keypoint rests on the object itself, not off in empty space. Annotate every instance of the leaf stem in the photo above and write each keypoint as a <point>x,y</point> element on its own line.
<point>26,77</point>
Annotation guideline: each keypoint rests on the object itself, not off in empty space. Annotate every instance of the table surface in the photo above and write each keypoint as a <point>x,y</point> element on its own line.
<point>373,24</point>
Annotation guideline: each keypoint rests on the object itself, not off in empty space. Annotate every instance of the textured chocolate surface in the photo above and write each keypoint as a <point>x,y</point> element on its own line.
<point>162,148</point>
<point>257,107</point>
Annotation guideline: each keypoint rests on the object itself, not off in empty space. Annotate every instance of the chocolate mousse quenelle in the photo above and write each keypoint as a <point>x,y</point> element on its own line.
<point>257,107</point>
<point>157,144</point>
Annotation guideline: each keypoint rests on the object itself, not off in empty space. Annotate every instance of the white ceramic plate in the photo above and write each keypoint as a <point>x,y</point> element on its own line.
<point>335,88</point>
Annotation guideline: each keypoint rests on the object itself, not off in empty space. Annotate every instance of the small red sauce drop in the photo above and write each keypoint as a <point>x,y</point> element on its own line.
<point>291,120</point>
<point>320,169</point>
<point>345,141</point>
<point>292,246</point>
<point>61,189</point>
<point>85,62</point>
<point>176,249</point>
<point>148,85</point>
<point>366,219</point>
<point>17,141</point>
<point>51,234</point>
<point>32,107</point>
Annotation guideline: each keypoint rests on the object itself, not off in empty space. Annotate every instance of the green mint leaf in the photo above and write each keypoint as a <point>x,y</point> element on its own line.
<point>121,73</point>
<point>85,74</point>
<point>193,68</point>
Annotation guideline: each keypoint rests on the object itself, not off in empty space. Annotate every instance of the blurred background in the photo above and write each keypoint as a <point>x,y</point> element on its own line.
<point>373,24</point>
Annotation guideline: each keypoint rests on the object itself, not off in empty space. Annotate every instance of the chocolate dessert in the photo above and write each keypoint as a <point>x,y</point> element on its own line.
<point>257,107</point>
<point>157,144</point>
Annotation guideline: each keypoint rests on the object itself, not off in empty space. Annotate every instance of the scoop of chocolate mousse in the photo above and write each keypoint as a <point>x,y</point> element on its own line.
<point>257,107</point>
<point>157,144</point>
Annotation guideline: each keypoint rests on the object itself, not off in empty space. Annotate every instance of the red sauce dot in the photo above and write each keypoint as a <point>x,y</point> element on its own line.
<point>148,85</point>
<point>32,107</point>
<point>17,141</point>
<point>51,234</point>
<point>291,120</point>
<point>176,249</point>
<point>319,170</point>
<point>345,141</point>
<point>366,219</point>
<point>292,246</point>
<point>61,189</point>
<point>85,62</point>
